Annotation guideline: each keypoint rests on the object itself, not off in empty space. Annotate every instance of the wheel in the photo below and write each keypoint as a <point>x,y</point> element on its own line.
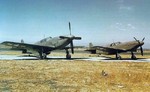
<point>133,57</point>
<point>40,56</point>
<point>44,56</point>
<point>68,56</point>
<point>119,57</point>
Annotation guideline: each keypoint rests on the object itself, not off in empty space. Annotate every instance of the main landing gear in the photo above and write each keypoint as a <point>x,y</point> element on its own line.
<point>68,55</point>
<point>118,57</point>
<point>133,56</point>
<point>42,55</point>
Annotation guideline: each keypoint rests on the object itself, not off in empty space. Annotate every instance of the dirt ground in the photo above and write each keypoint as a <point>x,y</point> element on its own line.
<point>73,76</point>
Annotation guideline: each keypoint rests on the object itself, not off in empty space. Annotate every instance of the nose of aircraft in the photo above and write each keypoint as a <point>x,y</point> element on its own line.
<point>141,42</point>
<point>71,36</point>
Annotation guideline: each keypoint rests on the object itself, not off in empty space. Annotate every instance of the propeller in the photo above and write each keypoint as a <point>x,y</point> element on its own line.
<point>71,43</point>
<point>141,49</point>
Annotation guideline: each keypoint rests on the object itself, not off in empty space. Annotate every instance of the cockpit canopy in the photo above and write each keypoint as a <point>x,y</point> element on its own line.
<point>46,39</point>
<point>115,44</point>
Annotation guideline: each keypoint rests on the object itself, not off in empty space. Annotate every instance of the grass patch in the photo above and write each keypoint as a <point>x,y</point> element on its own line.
<point>52,75</point>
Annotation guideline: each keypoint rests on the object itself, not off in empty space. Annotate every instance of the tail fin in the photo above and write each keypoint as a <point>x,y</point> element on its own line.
<point>90,45</point>
<point>91,49</point>
<point>22,41</point>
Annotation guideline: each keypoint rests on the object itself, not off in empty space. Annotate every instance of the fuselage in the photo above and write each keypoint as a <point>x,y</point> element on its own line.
<point>128,45</point>
<point>123,47</point>
<point>56,42</point>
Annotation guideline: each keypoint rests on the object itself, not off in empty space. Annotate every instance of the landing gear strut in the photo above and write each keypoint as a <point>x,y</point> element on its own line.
<point>42,55</point>
<point>133,56</point>
<point>68,56</point>
<point>118,57</point>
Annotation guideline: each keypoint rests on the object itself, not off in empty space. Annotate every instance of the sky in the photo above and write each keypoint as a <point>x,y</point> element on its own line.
<point>98,21</point>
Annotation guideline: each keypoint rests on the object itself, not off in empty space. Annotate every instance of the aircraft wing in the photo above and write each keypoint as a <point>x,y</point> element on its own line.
<point>67,47</point>
<point>21,46</point>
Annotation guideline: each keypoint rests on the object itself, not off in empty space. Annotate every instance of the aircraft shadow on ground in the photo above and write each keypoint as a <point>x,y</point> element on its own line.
<point>49,58</point>
<point>109,58</point>
<point>52,59</point>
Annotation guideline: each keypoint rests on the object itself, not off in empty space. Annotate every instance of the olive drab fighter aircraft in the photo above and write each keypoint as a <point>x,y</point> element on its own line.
<point>44,47</point>
<point>118,47</point>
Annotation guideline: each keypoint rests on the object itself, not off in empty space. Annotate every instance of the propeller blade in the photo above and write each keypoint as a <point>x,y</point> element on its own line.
<point>70,28</point>
<point>72,48</point>
<point>135,38</point>
<point>141,50</point>
<point>143,39</point>
<point>77,38</point>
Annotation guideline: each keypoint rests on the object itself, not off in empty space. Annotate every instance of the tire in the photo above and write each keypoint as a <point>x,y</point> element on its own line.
<point>133,57</point>
<point>119,57</point>
<point>68,56</point>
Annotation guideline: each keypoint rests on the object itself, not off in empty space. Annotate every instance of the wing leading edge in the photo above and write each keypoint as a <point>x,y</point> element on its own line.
<point>34,47</point>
